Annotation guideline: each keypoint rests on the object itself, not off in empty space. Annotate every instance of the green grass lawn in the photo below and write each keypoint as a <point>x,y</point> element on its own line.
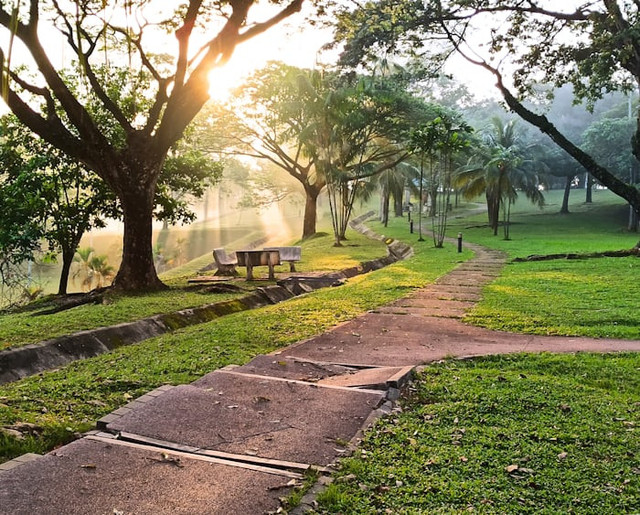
<point>592,227</point>
<point>71,399</point>
<point>523,433</point>
<point>506,434</point>
<point>592,297</point>
<point>26,327</point>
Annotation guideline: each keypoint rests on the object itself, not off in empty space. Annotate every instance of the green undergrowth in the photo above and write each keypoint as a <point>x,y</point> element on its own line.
<point>505,434</point>
<point>28,326</point>
<point>71,399</point>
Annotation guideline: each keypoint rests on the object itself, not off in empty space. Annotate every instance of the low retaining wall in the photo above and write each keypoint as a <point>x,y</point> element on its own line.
<point>32,359</point>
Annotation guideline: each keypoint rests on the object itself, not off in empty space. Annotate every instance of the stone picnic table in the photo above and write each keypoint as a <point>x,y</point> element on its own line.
<point>261,257</point>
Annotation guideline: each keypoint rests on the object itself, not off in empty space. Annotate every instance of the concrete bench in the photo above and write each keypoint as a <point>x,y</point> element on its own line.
<point>289,254</point>
<point>251,258</point>
<point>226,263</point>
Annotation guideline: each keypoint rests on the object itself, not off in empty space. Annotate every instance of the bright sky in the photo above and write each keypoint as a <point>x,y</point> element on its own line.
<point>293,42</point>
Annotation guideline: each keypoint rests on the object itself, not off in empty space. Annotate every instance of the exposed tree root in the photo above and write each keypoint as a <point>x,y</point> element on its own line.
<point>65,302</point>
<point>610,253</point>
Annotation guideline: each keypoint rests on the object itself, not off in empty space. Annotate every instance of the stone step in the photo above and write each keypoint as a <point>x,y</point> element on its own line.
<point>254,416</point>
<point>98,475</point>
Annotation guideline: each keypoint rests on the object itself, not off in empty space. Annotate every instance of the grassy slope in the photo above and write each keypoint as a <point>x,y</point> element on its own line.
<point>72,398</point>
<point>594,297</point>
<point>510,434</point>
<point>23,328</point>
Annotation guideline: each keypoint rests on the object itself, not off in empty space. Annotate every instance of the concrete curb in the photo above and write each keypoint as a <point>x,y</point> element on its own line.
<point>32,359</point>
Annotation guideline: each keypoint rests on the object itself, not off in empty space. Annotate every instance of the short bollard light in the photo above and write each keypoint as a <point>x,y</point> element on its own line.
<point>411,226</point>
<point>459,242</point>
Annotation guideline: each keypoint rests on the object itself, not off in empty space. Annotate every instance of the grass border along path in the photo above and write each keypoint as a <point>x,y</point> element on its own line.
<point>28,326</point>
<point>28,360</point>
<point>503,434</point>
<point>58,404</point>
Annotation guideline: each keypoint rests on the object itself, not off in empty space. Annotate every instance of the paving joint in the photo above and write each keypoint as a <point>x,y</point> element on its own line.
<point>195,456</point>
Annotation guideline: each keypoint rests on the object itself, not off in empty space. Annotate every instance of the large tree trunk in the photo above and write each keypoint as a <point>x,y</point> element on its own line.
<point>310,211</point>
<point>137,270</point>
<point>627,191</point>
<point>565,199</point>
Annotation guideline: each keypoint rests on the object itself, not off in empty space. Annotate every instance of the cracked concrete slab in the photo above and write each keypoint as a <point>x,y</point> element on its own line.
<point>297,369</point>
<point>377,377</point>
<point>90,476</point>
<point>443,311</point>
<point>255,416</point>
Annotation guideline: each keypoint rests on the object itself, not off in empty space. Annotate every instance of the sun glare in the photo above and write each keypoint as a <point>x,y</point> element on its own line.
<point>224,79</point>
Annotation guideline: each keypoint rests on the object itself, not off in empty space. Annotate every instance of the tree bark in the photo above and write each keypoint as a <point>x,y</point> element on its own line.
<point>397,205</point>
<point>310,210</point>
<point>493,211</point>
<point>433,195</point>
<point>565,199</point>
<point>589,196</point>
<point>67,260</point>
<point>386,198</point>
<point>137,270</point>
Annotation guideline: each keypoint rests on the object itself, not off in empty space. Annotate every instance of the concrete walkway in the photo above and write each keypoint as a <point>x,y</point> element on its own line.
<point>240,438</point>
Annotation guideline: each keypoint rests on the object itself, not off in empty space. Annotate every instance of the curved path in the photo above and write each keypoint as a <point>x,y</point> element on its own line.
<point>426,326</point>
<point>240,438</point>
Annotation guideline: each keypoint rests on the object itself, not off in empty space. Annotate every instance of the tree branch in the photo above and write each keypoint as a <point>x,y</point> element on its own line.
<point>185,102</point>
<point>294,7</point>
<point>50,129</point>
<point>183,35</point>
<point>624,190</point>
<point>77,114</point>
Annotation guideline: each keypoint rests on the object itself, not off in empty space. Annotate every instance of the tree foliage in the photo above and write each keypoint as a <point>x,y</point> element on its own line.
<point>594,46</point>
<point>268,118</point>
<point>47,197</point>
<point>111,122</point>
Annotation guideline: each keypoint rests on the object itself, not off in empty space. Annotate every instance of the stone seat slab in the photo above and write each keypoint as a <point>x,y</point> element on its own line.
<point>107,477</point>
<point>254,416</point>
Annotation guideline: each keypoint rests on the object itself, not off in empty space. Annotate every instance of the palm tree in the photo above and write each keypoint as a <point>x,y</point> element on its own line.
<point>392,183</point>
<point>101,270</point>
<point>82,265</point>
<point>506,168</point>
